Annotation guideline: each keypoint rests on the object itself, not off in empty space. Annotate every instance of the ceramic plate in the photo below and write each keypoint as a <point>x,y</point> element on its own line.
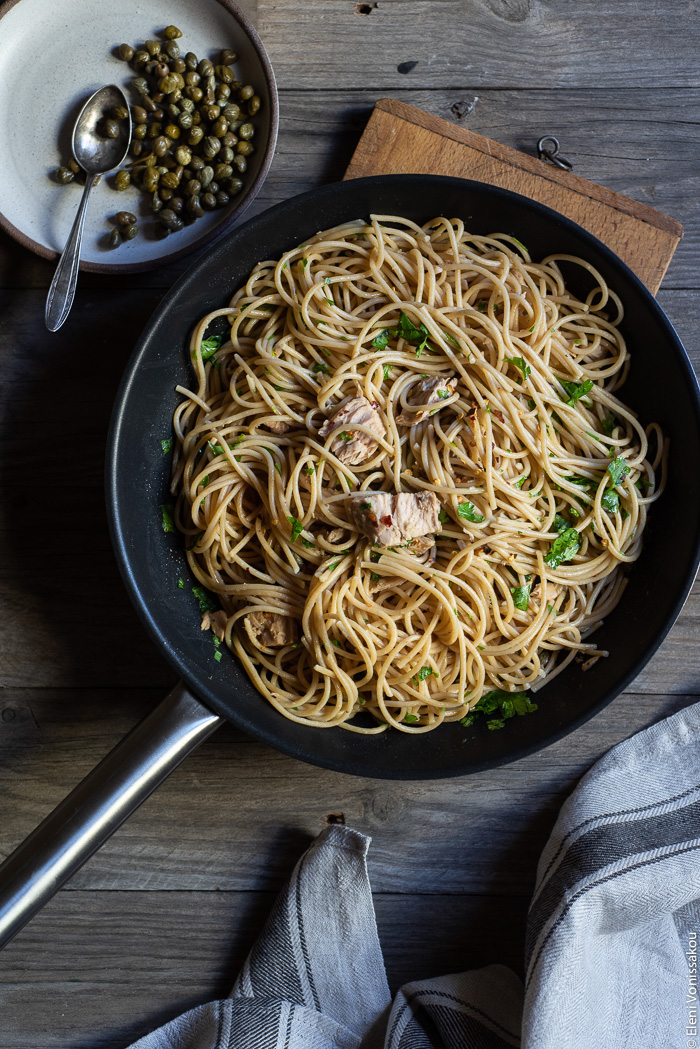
<point>53,55</point>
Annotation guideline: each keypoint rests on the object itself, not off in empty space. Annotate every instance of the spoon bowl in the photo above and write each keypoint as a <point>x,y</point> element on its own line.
<point>96,155</point>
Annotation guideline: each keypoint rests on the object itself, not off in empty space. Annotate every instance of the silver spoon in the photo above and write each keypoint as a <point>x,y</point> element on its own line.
<point>96,156</point>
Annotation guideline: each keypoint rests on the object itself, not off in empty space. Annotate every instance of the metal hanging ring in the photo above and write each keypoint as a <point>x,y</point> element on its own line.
<point>548,149</point>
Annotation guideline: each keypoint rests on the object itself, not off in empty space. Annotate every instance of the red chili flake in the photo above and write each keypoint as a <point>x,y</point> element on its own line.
<point>386,520</point>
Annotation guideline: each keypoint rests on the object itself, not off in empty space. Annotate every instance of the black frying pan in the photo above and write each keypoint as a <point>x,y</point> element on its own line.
<point>661,387</point>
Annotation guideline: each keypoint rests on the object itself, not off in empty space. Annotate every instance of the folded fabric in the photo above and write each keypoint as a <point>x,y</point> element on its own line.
<point>611,956</point>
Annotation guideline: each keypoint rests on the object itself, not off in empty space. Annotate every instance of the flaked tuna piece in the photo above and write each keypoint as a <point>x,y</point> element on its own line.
<point>216,622</point>
<point>269,629</point>
<point>392,519</point>
<point>279,425</point>
<point>353,446</point>
<point>384,582</point>
<point>427,392</point>
<point>420,545</point>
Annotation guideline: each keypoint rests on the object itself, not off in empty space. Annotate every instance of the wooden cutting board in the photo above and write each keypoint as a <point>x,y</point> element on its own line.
<point>398,136</point>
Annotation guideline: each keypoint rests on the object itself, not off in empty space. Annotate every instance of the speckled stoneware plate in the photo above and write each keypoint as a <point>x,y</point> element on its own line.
<point>53,55</point>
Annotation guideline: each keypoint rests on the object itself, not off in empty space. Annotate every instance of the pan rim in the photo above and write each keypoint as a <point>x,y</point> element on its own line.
<point>206,693</point>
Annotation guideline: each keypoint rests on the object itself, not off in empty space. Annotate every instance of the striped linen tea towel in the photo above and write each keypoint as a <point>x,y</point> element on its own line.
<point>611,956</point>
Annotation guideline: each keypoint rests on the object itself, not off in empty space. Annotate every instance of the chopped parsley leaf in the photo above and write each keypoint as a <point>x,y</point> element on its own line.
<point>519,243</point>
<point>210,346</point>
<point>611,501</point>
<point>521,596</point>
<point>617,469</point>
<point>522,366</point>
<point>410,718</point>
<point>297,528</point>
<point>564,548</point>
<point>166,445</point>
<point>166,510</point>
<point>217,655</point>
<point>278,468</point>
<point>319,366</point>
<point>575,390</point>
<point>469,511</point>
<point>497,706</point>
<point>181,583</point>
<point>206,601</point>
<point>443,516</point>
<point>609,424</point>
<point>559,524</point>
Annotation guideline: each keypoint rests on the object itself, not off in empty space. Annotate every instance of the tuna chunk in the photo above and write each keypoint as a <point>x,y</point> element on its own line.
<point>420,545</point>
<point>427,392</point>
<point>269,629</point>
<point>279,425</point>
<point>216,622</point>
<point>392,519</point>
<point>353,446</point>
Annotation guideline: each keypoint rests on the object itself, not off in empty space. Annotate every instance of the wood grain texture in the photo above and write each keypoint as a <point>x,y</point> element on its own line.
<point>162,917</point>
<point>400,140</point>
<point>482,43</point>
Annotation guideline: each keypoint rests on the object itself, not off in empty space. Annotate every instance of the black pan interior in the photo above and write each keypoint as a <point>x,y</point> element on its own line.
<point>661,387</point>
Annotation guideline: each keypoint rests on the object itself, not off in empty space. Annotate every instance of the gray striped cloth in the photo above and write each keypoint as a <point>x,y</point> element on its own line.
<point>611,955</point>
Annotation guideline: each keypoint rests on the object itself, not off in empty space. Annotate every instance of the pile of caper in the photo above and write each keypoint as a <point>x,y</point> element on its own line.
<point>191,134</point>
<point>192,130</point>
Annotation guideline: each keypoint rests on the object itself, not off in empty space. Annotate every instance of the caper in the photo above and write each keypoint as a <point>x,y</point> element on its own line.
<point>197,163</point>
<point>154,65</point>
<point>139,115</point>
<point>165,193</point>
<point>208,201</point>
<point>141,57</point>
<point>183,155</point>
<point>172,50</point>
<point>158,98</point>
<point>169,219</point>
<point>115,238</point>
<point>136,148</point>
<point>149,179</point>
<point>231,111</point>
<point>194,207</point>
<point>141,85</point>
<point>237,85</point>
<point>171,181</point>
<point>153,47</point>
<point>222,199</point>
<point>205,67</point>
<point>120,113</point>
<point>225,156</point>
<point>178,66</point>
<point>240,163</point>
<point>149,104</point>
<point>223,171</point>
<point>140,131</point>
<point>186,105</point>
<point>177,205</point>
<point>228,57</point>
<point>161,70</point>
<point>161,232</point>
<point>191,60</point>
<point>246,131</point>
<point>244,149</point>
<point>172,32</point>
<point>234,186</point>
<point>206,175</point>
<point>246,92</point>
<point>180,171</point>
<point>155,129</point>
<point>195,136</point>
<point>210,146</point>
<point>193,187</point>
<point>172,131</point>
<point>254,105</point>
<point>74,165</point>
<point>185,121</point>
<point>219,127</point>
<point>223,92</point>
<point>126,52</point>
<point>192,79</point>
<point>64,175</point>
<point>229,139</point>
<point>175,97</point>
<point>161,145</point>
<point>124,218</point>
<point>224,74</point>
<point>173,111</point>
<point>156,203</point>
<point>210,85</point>
<point>213,187</point>
<point>195,93</point>
<point>109,128</point>
<point>168,83</point>
<point>131,231</point>
<point>212,113</point>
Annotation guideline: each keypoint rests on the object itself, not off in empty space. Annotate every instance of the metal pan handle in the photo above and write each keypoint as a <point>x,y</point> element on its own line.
<point>92,812</point>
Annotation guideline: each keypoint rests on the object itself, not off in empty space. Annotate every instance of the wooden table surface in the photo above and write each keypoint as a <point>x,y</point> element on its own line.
<point>161,918</point>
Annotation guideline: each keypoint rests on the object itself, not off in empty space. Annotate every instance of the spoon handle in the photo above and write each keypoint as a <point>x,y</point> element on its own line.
<point>62,290</point>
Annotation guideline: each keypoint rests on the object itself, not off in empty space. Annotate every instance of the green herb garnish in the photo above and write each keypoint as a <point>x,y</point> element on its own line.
<point>521,596</point>
<point>522,366</point>
<point>575,390</point>
<point>559,524</point>
<point>409,718</point>
<point>166,510</point>
<point>617,469</point>
<point>166,445</point>
<point>469,511</point>
<point>207,603</point>
<point>564,547</point>
<point>297,528</point>
<point>497,706</point>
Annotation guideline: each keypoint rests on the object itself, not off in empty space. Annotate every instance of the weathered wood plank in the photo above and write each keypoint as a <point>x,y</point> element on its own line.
<point>98,970</point>
<point>638,142</point>
<point>236,814</point>
<point>481,43</point>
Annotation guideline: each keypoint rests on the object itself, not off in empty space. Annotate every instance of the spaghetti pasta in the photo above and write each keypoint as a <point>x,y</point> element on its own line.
<point>406,475</point>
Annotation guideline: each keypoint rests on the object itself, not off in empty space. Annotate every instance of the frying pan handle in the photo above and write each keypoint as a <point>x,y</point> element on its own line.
<point>92,812</point>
